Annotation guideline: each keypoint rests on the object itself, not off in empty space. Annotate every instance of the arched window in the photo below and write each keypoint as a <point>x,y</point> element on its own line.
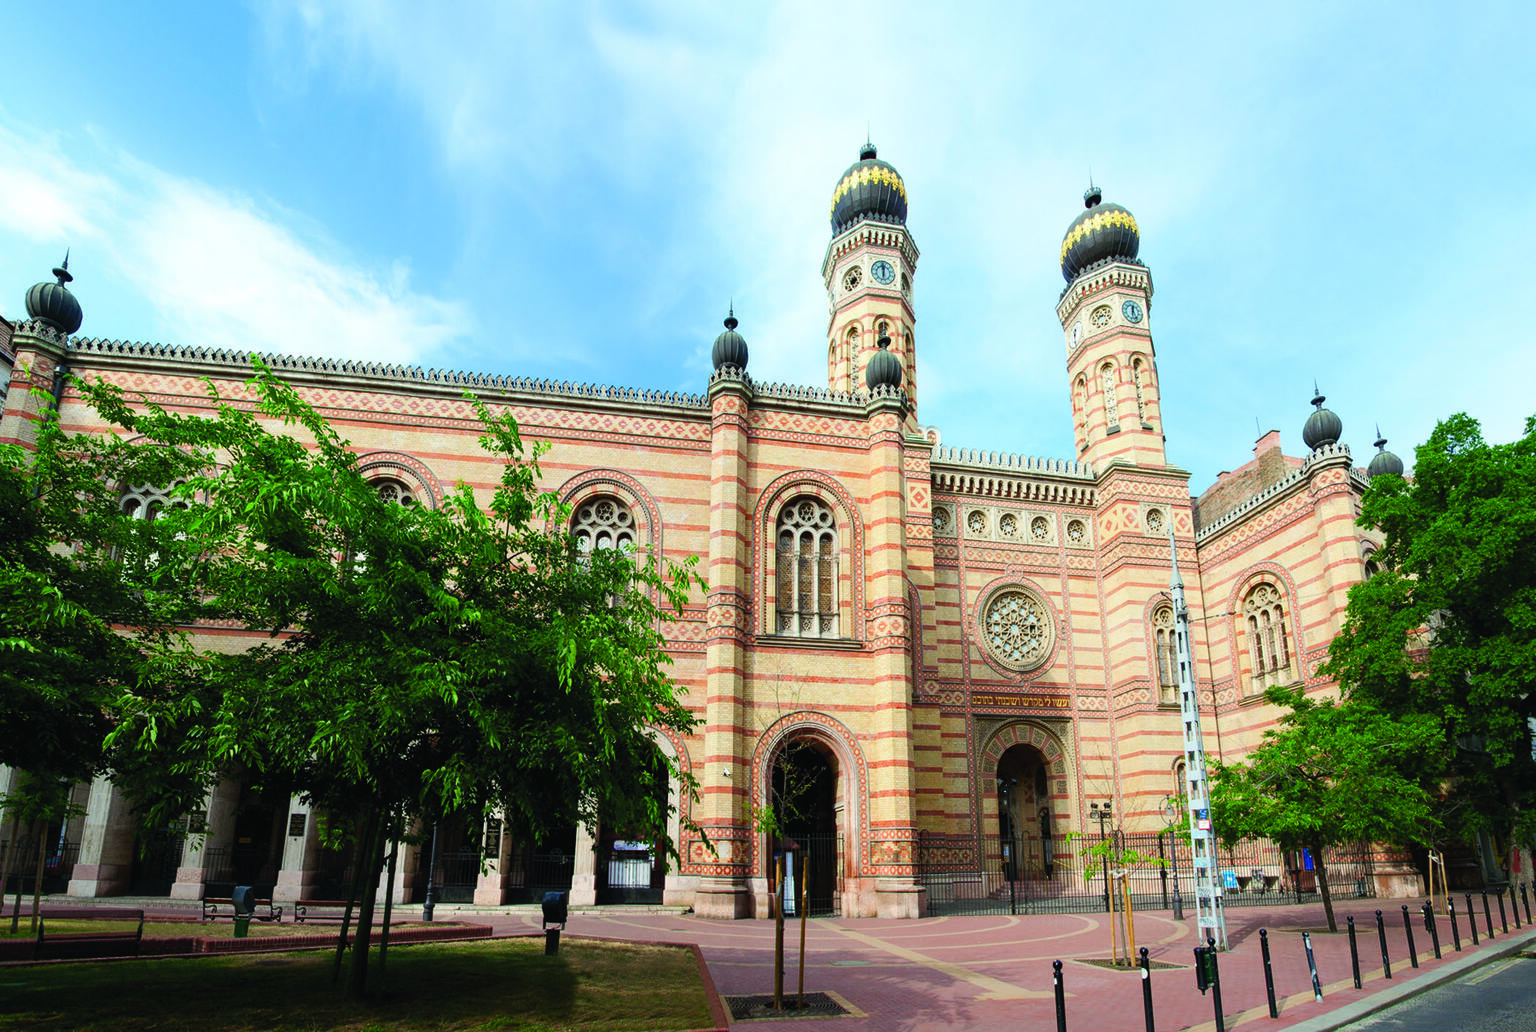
<point>1111,404</point>
<point>807,570</point>
<point>603,522</point>
<point>146,502</point>
<point>1264,611</point>
<point>395,491</point>
<point>1167,654</point>
<point>1137,376</point>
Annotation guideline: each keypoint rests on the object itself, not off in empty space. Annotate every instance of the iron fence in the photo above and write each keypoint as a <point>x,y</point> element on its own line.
<point>1023,877</point>
<point>58,867</point>
<point>530,874</point>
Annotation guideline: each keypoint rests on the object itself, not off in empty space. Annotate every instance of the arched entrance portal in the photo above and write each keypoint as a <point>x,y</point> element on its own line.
<point>1023,813</point>
<point>632,869</point>
<point>808,807</point>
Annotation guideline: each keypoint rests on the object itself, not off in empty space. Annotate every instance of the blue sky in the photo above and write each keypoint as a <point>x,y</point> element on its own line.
<point>577,190</point>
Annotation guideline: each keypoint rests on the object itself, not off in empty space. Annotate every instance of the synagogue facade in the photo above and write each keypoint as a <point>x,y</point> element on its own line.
<point>973,650</point>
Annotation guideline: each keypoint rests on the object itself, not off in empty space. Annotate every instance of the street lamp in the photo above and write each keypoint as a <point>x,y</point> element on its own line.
<point>1102,814</point>
<point>1172,809</point>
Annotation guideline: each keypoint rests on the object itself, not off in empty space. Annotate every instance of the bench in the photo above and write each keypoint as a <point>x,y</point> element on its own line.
<point>71,945</point>
<point>329,910</point>
<point>217,909</point>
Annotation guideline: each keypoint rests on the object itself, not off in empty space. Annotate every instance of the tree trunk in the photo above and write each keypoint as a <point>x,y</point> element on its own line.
<point>1322,885</point>
<point>16,872</point>
<point>805,883</point>
<point>37,882</point>
<point>357,983</point>
<point>389,901</point>
<point>778,936</point>
<point>364,837</point>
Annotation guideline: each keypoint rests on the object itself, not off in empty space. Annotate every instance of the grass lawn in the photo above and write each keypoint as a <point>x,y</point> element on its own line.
<point>505,984</point>
<point>177,929</point>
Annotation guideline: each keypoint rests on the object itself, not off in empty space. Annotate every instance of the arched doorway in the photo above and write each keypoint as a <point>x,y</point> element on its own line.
<point>806,798</point>
<point>631,867</point>
<point>1023,814</point>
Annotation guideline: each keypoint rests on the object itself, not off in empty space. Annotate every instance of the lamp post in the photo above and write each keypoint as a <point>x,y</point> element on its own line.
<point>431,900</point>
<point>1102,814</point>
<point>1172,810</point>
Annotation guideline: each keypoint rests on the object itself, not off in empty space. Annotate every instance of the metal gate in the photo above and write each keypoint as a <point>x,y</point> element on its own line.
<point>1014,878</point>
<point>633,873</point>
<point>531,873</point>
<point>156,857</point>
<point>820,865</point>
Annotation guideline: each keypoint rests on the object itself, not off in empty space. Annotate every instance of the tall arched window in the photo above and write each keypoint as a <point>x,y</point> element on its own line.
<point>147,502</point>
<point>807,570</point>
<point>1167,654</point>
<point>1111,403</point>
<point>396,491</point>
<point>603,522</point>
<point>1138,374</point>
<point>1264,611</point>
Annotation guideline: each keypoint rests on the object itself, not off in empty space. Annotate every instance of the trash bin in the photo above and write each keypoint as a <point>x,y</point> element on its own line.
<point>244,899</point>
<point>556,906</point>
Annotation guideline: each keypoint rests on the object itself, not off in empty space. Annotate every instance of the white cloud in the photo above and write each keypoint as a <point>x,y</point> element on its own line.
<point>219,269</point>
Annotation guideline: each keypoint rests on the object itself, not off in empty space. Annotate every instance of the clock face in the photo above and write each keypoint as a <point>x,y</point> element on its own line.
<point>1101,316</point>
<point>1132,312</point>
<point>1077,333</point>
<point>851,278</point>
<point>882,271</point>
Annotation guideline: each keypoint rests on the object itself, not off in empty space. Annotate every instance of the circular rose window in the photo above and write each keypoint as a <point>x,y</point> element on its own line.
<point>1017,629</point>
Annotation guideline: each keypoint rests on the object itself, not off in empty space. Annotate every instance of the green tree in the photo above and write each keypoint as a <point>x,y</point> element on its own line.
<point>1448,627</point>
<point>420,662</point>
<point>1331,773</point>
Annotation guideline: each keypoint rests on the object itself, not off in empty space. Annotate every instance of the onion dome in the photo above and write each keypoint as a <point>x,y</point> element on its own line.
<point>730,347</point>
<point>884,369</point>
<point>53,304</point>
<point>1102,232</point>
<point>1322,426</point>
<point>1384,461</point>
<point>870,189</point>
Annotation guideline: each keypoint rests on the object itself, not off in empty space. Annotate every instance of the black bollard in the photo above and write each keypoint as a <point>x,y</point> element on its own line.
<point>1526,900</point>
<point>1413,951</point>
<point>1472,918</point>
<point>1381,932</point>
<point>1269,975</point>
<point>1061,999</point>
<point>1434,932</point>
<point>551,942</point>
<point>1210,952</point>
<point>1503,922</point>
<point>1514,908</point>
<point>1317,986</point>
<point>1455,931</point>
<point>1146,988</point>
<point>1354,952</point>
<point>1487,915</point>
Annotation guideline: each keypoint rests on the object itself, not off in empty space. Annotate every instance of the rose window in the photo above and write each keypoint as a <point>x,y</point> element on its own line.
<point>1039,529</point>
<point>395,493</point>
<point>1008,526</point>
<point>1155,521</point>
<point>941,520</point>
<point>604,522</point>
<point>1077,533</point>
<point>1017,629</point>
<point>976,522</point>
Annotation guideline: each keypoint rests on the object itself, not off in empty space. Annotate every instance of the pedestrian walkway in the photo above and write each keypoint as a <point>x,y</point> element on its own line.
<point>995,972</point>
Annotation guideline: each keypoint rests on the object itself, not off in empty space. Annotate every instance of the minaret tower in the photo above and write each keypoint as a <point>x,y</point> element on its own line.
<point>868,272</point>
<point>1106,314</point>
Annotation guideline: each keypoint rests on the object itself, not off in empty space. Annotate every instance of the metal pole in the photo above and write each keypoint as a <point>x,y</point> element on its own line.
<point>1317,986</point>
<point>1381,931</point>
<point>1162,870</point>
<point>1455,932</point>
<point>1526,900</point>
<point>1488,915</point>
<point>1511,907</point>
<point>1146,988</point>
<point>1221,1022</point>
<point>1269,974</point>
<point>1061,997</point>
<point>1472,918</point>
<point>1413,952</point>
<point>1354,952</point>
<point>431,900</point>
<point>1434,931</point>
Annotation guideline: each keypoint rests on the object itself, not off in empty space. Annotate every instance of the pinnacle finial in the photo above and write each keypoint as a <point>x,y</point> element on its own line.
<point>62,271</point>
<point>1317,395</point>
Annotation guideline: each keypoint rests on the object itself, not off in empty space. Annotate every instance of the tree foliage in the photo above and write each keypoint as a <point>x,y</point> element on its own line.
<point>416,662</point>
<point>1332,773</point>
<point>1447,629</point>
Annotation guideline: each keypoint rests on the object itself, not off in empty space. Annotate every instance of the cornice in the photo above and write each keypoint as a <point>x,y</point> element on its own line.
<point>870,234</point>
<point>1101,276</point>
<point>965,471</point>
<point>1321,458</point>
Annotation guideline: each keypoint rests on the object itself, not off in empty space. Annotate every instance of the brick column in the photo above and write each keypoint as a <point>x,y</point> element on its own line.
<point>491,889</point>
<point>892,842</point>
<point>216,830</point>
<point>301,854</point>
<point>725,774</point>
<point>584,869</point>
<point>106,844</point>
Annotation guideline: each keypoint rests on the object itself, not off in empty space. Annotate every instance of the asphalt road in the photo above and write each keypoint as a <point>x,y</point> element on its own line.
<point>1498,998</point>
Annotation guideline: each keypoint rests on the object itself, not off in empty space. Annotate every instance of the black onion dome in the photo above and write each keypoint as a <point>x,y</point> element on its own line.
<point>870,189</point>
<point>884,369</point>
<point>730,347</point>
<point>1323,427</point>
<point>1101,232</point>
<point>1384,461</point>
<point>53,304</point>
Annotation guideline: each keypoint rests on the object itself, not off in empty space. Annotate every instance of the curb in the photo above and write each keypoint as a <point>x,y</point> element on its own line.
<point>1385,998</point>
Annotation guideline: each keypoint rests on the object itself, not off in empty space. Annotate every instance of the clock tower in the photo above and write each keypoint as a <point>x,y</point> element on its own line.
<point>1106,315</point>
<point>868,273</point>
